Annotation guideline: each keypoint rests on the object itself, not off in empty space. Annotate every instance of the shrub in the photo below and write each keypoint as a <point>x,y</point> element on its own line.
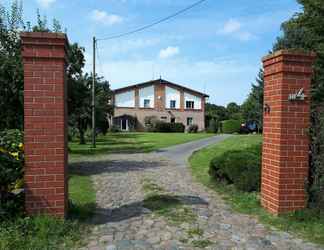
<point>242,168</point>
<point>193,128</point>
<point>114,129</point>
<point>231,126</point>
<point>11,173</point>
<point>165,127</point>
<point>213,126</point>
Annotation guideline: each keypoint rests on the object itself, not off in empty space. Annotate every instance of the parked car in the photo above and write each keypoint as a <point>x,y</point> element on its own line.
<point>249,127</point>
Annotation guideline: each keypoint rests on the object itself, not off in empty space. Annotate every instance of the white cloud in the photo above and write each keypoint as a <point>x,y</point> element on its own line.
<point>105,18</point>
<point>169,52</point>
<point>45,3</point>
<point>233,28</point>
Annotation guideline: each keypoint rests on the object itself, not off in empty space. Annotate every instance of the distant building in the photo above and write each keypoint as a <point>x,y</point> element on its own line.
<point>164,100</point>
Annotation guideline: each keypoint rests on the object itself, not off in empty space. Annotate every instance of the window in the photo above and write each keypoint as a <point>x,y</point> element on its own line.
<point>173,120</point>
<point>189,121</point>
<point>147,103</point>
<point>190,104</point>
<point>164,117</point>
<point>173,104</point>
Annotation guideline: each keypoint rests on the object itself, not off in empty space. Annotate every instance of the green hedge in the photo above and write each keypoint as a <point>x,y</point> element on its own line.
<point>230,126</point>
<point>166,127</point>
<point>242,168</point>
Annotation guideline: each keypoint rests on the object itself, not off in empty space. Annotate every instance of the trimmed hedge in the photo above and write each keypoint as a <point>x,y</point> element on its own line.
<point>230,126</point>
<point>242,168</point>
<point>165,127</point>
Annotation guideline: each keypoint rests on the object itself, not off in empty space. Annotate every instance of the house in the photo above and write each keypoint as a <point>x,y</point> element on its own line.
<point>162,99</point>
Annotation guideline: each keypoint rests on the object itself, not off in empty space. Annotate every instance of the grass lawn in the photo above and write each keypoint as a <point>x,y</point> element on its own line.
<point>134,142</point>
<point>44,232</point>
<point>306,224</point>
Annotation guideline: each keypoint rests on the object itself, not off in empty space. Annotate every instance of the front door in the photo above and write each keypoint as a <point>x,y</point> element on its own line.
<point>124,124</point>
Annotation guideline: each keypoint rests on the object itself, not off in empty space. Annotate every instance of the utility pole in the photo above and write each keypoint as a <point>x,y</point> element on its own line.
<point>94,95</point>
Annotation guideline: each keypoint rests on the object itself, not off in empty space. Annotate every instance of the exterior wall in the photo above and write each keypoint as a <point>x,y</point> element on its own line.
<point>125,99</point>
<point>195,99</point>
<point>140,114</point>
<point>146,93</point>
<point>45,123</point>
<point>285,158</point>
<point>170,95</point>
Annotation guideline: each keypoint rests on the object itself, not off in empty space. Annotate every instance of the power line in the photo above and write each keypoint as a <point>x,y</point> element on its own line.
<point>153,24</point>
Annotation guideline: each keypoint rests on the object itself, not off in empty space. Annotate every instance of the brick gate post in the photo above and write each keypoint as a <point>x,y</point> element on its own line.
<point>45,123</point>
<point>285,160</point>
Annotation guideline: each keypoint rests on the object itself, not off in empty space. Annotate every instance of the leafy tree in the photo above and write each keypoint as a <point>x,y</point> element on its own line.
<point>11,69</point>
<point>234,111</point>
<point>214,113</point>
<point>252,108</point>
<point>306,31</point>
<point>11,75</point>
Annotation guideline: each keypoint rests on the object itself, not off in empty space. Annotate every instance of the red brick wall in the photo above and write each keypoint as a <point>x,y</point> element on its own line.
<point>45,123</point>
<point>285,161</point>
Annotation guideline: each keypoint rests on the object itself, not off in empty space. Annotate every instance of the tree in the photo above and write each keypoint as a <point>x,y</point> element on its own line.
<point>252,108</point>
<point>234,111</point>
<point>11,69</point>
<point>305,31</point>
<point>11,76</point>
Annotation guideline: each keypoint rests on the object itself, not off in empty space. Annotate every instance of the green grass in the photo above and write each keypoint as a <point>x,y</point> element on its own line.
<point>134,142</point>
<point>45,232</point>
<point>82,196</point>
<point>307,224</point>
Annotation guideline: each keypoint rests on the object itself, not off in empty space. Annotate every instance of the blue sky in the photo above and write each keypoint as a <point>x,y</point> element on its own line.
<point>215,48</point>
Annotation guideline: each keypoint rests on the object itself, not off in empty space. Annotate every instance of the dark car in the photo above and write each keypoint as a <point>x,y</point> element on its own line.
<point>249,127</point>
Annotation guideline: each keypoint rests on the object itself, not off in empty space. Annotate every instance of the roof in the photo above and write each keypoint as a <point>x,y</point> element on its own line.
<point>161,81</point>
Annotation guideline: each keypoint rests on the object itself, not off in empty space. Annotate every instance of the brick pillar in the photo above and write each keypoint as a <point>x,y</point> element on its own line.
<point>285,160</point>
<point>45,124</point>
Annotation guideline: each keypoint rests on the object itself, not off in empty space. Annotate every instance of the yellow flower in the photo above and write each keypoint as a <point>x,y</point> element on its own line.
<point>21,146</point>
<point>15,154</point>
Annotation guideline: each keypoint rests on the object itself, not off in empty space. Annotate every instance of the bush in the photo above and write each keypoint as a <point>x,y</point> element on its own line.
<point>230,126</point>
<point>242,168</point>
<point>165,127</point>
<point>213,126</point>
<point>114,129</point>
<point>193,128</point>
<point>11,173</point>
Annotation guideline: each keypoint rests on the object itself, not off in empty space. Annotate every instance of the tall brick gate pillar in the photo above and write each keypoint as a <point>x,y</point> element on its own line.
<point>45,124</point>
<point>285,160</point>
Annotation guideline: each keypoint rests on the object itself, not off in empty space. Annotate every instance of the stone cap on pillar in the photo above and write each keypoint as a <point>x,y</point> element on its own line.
<point>290,60</point>
<point>44,45</point>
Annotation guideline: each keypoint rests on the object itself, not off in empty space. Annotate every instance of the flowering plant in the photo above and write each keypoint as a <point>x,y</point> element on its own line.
<point>11,172</point>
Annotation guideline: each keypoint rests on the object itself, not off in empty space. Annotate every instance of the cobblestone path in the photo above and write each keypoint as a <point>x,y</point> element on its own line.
<point>145,201</point>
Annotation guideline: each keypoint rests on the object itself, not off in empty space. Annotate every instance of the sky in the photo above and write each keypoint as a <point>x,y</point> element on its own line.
<point>214,48</point>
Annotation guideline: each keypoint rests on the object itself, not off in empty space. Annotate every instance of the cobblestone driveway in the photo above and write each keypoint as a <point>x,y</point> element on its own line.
<point>123,221</point>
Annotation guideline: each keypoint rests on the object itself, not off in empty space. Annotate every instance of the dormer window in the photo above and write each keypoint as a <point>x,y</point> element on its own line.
<point>190,104</point>
<point>147,103</point>
<point>173,104</point>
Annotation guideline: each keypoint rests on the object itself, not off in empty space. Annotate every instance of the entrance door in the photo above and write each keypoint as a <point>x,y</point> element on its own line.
<point>124,124</point>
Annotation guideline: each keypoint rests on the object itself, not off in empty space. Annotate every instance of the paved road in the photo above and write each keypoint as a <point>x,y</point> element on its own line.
<point>180,154</point>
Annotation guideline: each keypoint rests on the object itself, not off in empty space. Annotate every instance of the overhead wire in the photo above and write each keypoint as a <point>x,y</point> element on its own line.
<point>152,24</point>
